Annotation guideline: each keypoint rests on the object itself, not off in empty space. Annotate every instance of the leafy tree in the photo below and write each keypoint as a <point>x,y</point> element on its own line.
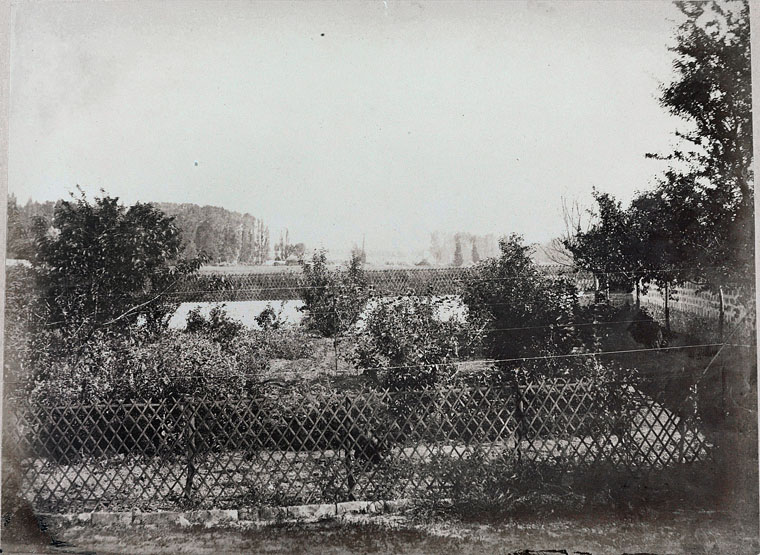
<point>406,340</point>
<point>611,248</point>
<point>711,173</point>
<point>525,312</point>
<point>333,299</point>
<point>103,265</point>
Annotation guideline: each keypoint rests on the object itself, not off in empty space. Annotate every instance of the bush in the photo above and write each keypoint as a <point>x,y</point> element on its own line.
<point>256,347</point>
<point>268,319</point>
<point>135,368</point>
<point>410,345</point>
<point>103,265</point>
<point>646,330</point>
<point>493,487</point>
<point>217,327</point>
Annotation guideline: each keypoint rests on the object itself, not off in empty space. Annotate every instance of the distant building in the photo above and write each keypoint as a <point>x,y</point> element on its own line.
<point>292,260</point>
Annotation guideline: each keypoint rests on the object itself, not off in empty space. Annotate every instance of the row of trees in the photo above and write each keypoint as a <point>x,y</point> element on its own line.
<point>697,224</point>
<point>462,248</point>
<point>220,235</point>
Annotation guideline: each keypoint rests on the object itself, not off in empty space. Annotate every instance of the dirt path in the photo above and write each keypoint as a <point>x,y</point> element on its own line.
<point>704,532</point>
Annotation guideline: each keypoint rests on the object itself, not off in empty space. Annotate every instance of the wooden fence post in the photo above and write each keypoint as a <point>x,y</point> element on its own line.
<point>667,307</point>
<point>519,408</point>
<point>191,450</point>
<point>721,315</point>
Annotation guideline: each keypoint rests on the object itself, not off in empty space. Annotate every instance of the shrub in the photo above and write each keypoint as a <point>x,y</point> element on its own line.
<point>104,265</point>
<point>646,330</point>
<point>268,319</point>
<point>118,368</point>
<point>406,340</point>
<point>492,487</point>
<point>217,327</point>
<point>255,348</point>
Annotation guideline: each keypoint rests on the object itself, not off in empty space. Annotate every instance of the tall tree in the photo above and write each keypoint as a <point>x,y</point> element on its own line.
<point>475,254</point>
<point>711,170</point>
<point>458,259</point>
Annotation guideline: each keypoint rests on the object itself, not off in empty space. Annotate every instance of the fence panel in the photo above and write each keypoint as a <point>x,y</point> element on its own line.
<point>288,285</point>
<point>335,446</point>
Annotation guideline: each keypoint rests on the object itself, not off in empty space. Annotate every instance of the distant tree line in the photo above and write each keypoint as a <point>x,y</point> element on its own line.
<point>283,249</point>
<point>460,249</point>
<point>221,235</point>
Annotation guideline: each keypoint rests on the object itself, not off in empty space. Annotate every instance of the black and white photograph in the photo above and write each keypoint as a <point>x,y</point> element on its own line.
<point>379,276</point>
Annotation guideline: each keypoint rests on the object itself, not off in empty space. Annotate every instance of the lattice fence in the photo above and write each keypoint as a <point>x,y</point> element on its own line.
<point>288,285</point>
<point>278,450</point>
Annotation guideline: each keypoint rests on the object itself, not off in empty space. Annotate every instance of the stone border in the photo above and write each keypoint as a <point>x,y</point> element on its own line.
<point>221,517</point>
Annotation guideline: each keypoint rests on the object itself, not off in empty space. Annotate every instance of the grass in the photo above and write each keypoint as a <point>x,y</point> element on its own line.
<point>655,532</point>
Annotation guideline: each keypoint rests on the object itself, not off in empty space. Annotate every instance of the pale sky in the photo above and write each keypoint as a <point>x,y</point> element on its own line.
<point>390,119</point>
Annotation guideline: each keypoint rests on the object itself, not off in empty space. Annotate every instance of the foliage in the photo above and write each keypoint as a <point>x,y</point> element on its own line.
<point>28,341</point>
<point>283,249</point>
<point>526,313</point>
<point>646,330</point>
<point>112,367</point>
<point>218,327</point>
<point>610,249</point>
<point>443,245</point>
<point>333,299</point>
<point>221,235</point>
<point>406,340</point>
<point>268,319</point>
<point>103,265</point>
<point>697,224</point>
<point>711,175</point>
<point>19,243</point>
<point>257,347</point>
<point>475,254</point>
<point>493,487</point>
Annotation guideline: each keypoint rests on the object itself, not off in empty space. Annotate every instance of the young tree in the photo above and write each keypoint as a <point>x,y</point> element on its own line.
<point>103,265</point>
<point>526,313</point>
<point>333,299</point>
<point>406,340</point>
<point>608,248</point>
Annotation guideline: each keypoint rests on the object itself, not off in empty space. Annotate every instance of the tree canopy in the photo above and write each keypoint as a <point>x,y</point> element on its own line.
<point>698,222</point>
<point>101,264</point>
